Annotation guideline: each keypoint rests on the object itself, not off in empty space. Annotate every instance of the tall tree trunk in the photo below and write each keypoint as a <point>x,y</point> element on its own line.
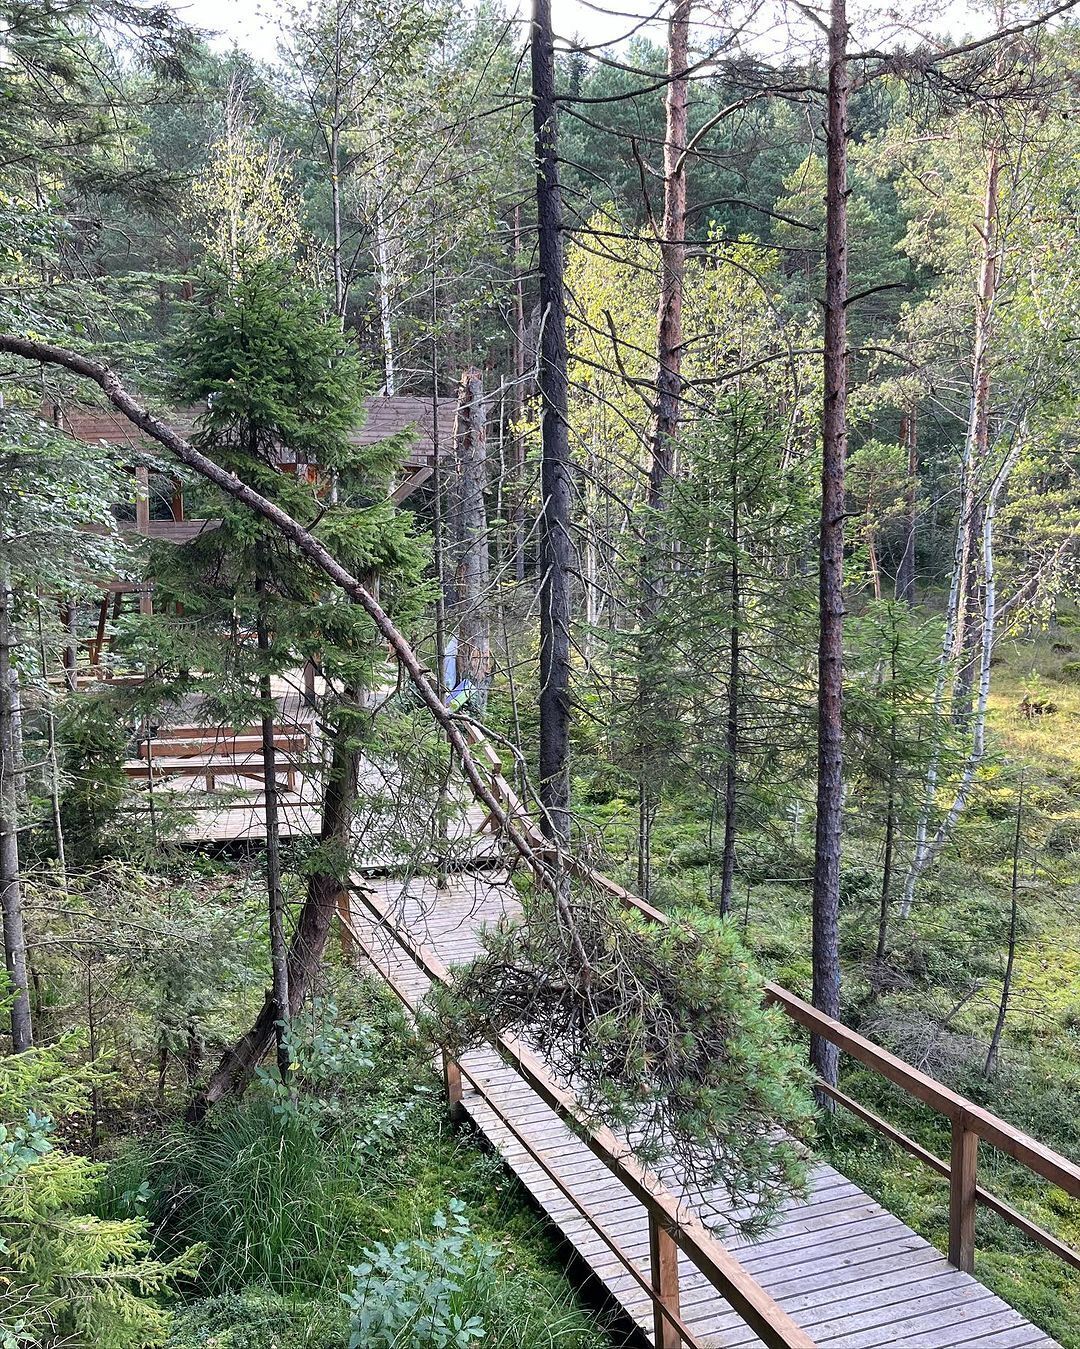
<point>519,405</point>
<point>905,573</point>
<point>990,1067</point>
<point>959,627</point>
<point>976,448</point>
<point>474,625</point>
<point>22,1034</point>
<point>830,784</point>
<point>731,736</point>
<point>324,891</point>
<point>666,416</point>
<point>275,899</point>
<point>555,468</point>
<point>669,326</point>
<point>382,271</point>
<point>335,196</point>
<point>52,757</point>
<point>890,816</point>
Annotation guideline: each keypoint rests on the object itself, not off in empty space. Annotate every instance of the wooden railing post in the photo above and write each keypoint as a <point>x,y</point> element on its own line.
<point>963,1179</point>
<point>452,1074</point>
<point>664,1264</point>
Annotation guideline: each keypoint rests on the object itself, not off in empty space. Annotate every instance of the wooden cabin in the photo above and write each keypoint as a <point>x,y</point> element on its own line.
<point>159,510</point>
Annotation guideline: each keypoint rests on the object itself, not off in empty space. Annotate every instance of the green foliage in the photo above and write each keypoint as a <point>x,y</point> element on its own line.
<point>286,1196</point>
<point>662,1031</point>
<point>258,1319</point>
<point>422,1292</point>
<point>68,1277</point>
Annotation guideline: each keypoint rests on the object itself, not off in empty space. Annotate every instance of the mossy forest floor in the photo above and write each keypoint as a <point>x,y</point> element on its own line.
<point>939,1001</point>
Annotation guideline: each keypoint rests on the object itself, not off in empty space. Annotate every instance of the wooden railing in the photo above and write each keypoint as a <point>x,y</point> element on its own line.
<point>970,1123</point>
<point>673,1226</point>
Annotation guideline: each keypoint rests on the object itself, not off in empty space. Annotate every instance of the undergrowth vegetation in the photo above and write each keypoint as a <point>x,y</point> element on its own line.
<point>353,1215</point>
<point>935,999</point>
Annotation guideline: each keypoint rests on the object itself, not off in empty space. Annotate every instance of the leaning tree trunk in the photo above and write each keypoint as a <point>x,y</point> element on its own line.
<point>305,955</point>
<point>474,625</point>
<point>830,783</point>
<point>554,787</point>
<point>22,1034</point>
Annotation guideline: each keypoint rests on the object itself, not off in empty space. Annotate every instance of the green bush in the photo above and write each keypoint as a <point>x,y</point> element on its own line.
<point>67,1276</point>
<point>450,1289</point>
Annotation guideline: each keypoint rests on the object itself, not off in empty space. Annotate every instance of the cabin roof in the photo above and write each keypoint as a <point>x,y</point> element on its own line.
<point>388,415</point>
<point>385,417</point>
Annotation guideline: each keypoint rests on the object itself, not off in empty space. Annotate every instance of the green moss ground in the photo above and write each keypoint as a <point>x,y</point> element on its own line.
<point>947,965</point>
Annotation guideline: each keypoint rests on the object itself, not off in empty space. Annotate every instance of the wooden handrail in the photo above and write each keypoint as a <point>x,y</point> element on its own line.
<point>970,1122</point>
<point>1044,1161</point>
<point>739,1289</point>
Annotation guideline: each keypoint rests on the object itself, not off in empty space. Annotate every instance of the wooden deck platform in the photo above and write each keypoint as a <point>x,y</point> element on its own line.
<point>847,1271</point>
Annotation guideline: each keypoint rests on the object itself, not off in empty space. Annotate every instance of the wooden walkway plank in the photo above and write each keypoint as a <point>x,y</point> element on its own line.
<point>849,1272</point>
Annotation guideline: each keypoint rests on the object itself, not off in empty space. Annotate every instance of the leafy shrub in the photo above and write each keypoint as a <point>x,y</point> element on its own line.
<point>449,1289</point>
<point>417,1292</point>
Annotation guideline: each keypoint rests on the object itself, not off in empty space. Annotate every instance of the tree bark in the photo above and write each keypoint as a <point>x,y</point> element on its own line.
<point>237,1065</point>
<point>976,449</point>
<point>474,624</point>
<point>826,898</point>
<point>22,1033</point>
<point>990,1067</point>
<point>731,736</point>
<point>905,573</point>
<point>958,632</point>
<point>554,786</point>
<point>669,326</point>
<point>274,898</point>
<point>519,405</point>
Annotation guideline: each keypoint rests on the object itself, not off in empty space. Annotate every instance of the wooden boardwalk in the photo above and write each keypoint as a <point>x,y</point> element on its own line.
<point>847,1271</point>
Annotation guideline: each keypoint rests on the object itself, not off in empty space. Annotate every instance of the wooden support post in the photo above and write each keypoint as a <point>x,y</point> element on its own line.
<point>453,1087</point>
<point>309,683</point>
<point>142,501</point>
<point>664,1264</point>
<point>963,1179</point>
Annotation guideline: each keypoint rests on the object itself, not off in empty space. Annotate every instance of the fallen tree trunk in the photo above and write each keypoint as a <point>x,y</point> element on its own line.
<point>313,925</point>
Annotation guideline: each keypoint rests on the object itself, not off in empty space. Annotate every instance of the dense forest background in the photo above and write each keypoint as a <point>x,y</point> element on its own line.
<point>269,244</point>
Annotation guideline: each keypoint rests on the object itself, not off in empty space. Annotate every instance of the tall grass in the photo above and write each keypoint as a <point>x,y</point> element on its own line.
<point>275,1201</point>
